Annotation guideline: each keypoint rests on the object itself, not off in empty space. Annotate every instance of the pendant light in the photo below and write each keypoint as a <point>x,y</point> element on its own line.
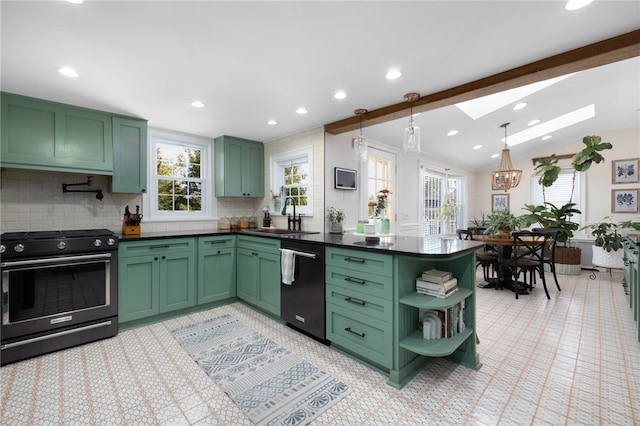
<point>411,141</point>
<point>505,177</point>
<point>360,142</point>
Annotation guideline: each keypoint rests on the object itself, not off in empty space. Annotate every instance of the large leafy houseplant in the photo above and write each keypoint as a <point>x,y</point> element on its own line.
<point>547,170</point>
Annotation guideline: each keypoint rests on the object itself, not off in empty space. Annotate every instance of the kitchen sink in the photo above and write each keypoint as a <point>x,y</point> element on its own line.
<point>277,231</point>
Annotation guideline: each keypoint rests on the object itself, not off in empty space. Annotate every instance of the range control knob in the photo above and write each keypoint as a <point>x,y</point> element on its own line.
<point>111,242</point>
<point>2,248</point>
<point>61,245</point>
<point>19,248</point>
<point>97,243</point>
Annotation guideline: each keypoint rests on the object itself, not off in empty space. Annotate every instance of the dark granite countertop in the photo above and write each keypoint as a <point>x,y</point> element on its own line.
<point>431,246</point>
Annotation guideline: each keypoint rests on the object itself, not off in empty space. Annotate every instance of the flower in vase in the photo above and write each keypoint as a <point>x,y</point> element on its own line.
<point>381,204</point>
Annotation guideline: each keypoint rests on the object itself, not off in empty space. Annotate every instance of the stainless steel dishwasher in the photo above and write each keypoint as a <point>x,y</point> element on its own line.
<point>302,302</point>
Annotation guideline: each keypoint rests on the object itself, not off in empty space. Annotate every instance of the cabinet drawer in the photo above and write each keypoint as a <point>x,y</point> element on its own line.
<point>363,282</point>
<point>374,263</point>
<point>216,242</point>
<point>367,337</point>
<point>168,245</point>
<point>360,303</point>
<point>271,245</point>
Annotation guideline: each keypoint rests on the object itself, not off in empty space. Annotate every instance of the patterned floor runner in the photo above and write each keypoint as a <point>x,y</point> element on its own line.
<point>271,385</point>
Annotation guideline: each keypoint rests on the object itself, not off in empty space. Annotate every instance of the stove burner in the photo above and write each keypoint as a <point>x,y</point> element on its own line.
<point>44,235</point>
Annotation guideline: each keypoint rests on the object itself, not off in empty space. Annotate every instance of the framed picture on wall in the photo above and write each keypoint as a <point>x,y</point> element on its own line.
<point>624,200</point>
<point>624,171</point>
<point>499,202</point>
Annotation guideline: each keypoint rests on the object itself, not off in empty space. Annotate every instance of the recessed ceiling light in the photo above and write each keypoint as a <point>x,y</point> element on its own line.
<point>452,132</point>
<point>519,106</point>
<point>272,122</point>
<point>495,155</point>
<point>533,122</point>
<point>393,74</point>
<point>546,138</point>
<point>75,1</point>
<point>301,110</point>
<point>69,72</point>
<point>340,95</point>
<point>197,104</point>
<point>552,125</point>
<point>484,105</point>
<point>576,4</point>
<point>477,147</point>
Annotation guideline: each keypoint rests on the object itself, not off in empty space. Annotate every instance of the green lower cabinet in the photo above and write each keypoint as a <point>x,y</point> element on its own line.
<point>138,287</point>
<point>258,273</point>
<point>368,338</point>
<point>155,277</point>
<point>216,274</point>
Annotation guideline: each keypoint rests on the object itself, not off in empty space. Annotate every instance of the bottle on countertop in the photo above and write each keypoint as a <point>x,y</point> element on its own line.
<point>266,221</point>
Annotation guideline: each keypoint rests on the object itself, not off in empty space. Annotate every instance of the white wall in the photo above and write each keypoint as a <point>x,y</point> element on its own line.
<point>339,153</point>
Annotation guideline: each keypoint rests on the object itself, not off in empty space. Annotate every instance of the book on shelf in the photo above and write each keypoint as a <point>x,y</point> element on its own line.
<point>436,276</point>
<point>442,287</point>
<point>438,294</point>
<point>451,319</point>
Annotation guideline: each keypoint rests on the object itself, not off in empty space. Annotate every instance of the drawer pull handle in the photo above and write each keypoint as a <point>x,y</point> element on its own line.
<point>164,246</point>
<point>357,333</point>
<point>353,259</point>
<point>355,301</point>
<point>216,242</point>
<point>354,280</point>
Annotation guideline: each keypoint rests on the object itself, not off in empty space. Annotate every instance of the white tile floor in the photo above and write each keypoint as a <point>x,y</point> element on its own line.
<point>574,359</point>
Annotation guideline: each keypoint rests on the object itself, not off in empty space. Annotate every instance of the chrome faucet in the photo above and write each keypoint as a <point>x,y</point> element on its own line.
<point>293,220</point>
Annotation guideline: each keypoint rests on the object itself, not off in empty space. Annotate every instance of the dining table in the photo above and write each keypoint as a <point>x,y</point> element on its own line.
<point>504,248</point>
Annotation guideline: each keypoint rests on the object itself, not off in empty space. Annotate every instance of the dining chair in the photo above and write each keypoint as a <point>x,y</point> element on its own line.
<point>549,254</point>
<point>488,261</point>
<point>527,258</point>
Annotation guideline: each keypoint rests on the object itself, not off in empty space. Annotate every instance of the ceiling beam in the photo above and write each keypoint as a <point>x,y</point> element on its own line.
<point>604,52</point>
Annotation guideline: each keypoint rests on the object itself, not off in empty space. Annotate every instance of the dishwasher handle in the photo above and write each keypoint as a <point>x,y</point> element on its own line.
<point>303,254</point>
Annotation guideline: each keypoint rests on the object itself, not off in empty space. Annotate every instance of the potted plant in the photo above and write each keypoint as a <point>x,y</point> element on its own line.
<point>335,218</point>
<point>609,235</point>
<point>502,223</point>
<point>550,216</point>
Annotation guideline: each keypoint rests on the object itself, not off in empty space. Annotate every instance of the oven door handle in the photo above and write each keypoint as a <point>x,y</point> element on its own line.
<point>51,260</point>
<point>54,335</point>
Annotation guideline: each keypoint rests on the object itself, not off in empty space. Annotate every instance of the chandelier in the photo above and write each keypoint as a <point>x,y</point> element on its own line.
<point>505,177</point>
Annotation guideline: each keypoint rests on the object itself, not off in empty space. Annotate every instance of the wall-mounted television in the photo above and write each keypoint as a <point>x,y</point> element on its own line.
<point>345,178</point>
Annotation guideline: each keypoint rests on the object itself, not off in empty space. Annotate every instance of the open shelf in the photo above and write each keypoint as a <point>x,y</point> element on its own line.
<point>430,302</point>
<point>415,343</point>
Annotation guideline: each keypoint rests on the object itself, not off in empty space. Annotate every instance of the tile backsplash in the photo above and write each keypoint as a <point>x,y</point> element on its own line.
<point>32,200</point>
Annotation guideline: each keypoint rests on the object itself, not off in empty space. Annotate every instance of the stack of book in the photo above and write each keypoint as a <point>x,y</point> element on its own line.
<point>436,283</point>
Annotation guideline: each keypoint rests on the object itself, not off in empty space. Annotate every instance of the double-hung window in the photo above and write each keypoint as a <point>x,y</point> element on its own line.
<point>562,190</point>
<point>292,177</point>
<point>180,177</point>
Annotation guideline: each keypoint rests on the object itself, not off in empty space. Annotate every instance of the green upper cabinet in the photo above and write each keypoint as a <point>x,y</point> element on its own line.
<point>45,135</point>
<point>129,155</point>
<point>239,167</point>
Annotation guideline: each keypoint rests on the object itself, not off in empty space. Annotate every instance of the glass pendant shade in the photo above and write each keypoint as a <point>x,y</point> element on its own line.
<point>505,177</point>
<point>360,148</point>
<point>360,142</point>
<point>411,140</point>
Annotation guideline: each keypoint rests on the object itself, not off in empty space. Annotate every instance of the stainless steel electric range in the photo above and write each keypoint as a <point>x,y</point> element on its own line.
<point>59,289</point>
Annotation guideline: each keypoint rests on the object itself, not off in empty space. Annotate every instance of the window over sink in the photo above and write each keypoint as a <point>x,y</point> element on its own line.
<point>180,184</point>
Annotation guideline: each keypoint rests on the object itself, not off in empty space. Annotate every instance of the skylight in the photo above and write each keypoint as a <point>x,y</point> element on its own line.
<point>480,107</point>
<point>550,126</point>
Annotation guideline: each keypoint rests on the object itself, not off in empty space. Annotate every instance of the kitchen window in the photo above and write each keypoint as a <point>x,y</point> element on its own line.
<point>180,177</point>
<point>292,176</point>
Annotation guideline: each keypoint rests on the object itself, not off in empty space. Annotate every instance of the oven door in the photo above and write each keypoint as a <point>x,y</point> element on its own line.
<point>39,295</point>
